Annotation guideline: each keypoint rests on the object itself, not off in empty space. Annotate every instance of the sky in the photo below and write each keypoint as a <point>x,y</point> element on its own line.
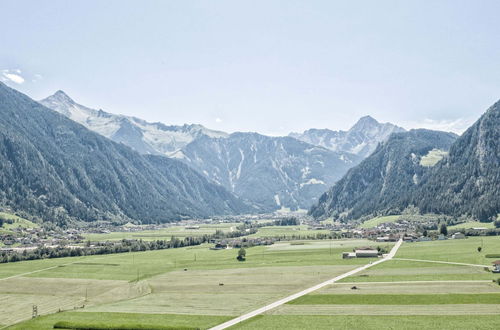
<point>271,67</point>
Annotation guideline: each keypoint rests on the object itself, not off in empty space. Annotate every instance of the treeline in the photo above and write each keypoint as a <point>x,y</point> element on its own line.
<point>291,221</point>
<point>118,247</point>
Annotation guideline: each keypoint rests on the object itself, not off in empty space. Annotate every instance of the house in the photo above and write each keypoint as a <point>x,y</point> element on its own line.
<point>496,266</point>
<point>366,252</point>
<point>458,236</point>
<point>424,239</point>
<point>348,255</point>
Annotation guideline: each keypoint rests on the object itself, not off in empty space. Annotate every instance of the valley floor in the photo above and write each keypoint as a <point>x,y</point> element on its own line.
<point>196,287</point>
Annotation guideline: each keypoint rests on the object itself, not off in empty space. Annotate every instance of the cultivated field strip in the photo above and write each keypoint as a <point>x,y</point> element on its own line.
<point>452,309</point>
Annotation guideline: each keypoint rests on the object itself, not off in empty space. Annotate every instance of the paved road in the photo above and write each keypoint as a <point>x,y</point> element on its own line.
<point>306,291</point>
<point>442,262</point>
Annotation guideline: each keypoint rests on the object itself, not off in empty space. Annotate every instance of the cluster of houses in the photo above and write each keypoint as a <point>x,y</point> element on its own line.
<point>241,242</point>
<point>21,238</point>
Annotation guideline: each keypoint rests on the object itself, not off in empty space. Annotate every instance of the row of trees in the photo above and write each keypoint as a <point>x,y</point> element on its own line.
<point>118,247</point>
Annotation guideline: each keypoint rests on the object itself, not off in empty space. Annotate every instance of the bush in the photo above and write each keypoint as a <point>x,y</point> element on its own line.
<point>241,254</point>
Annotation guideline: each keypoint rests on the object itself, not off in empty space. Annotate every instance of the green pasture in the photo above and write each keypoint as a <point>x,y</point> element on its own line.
<point>472,224</point>
<point>172,281</point>
<point>121,321</point>
<point>432,157</point>
<point>163,233</point>
<point>287,231</point>
<point>461,250</point>
<point>397,299</point>
<point>371,322</point>
<point>378,221</point>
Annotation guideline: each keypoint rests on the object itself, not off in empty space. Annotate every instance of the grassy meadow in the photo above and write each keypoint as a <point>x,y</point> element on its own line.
<point>379,220</point>
<point>162,234</point>
<point>403,294</point>
<point>195,287</point>
<point>168,282</point>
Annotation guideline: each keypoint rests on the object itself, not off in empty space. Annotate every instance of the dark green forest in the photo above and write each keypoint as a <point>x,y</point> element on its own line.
<point>465,182</point>
<point>58,170</point>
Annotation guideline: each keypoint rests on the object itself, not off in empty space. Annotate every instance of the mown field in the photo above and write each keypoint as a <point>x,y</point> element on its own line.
<point>174,282</point>
<point>287,231</point>
<point>379,220</point>
<point>164,233</point>
<point>196,287</point>
<point>403,294</point>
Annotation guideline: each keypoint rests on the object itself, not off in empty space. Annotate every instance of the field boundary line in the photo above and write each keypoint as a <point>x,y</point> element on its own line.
<point>417,281</point>
<point>282,301</point>
<point>44,269</point>
<point>442,262</point>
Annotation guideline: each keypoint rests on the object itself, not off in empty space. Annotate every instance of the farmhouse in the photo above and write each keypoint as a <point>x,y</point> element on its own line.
<point>366,252</point>
<point>496,266</point>
<point>458,236</point>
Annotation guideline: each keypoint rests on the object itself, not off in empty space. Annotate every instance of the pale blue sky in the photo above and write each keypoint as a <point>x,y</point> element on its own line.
<point>266,66</point>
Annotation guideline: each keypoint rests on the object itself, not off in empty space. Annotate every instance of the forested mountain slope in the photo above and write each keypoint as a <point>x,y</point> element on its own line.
<point>272,172</point>
<point>383,182</point>
<point>57,169</point>
<point>468,180</point>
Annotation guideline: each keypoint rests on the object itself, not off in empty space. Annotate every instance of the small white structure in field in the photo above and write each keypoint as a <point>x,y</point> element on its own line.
<point>496,266</point>
<point>458,236</point>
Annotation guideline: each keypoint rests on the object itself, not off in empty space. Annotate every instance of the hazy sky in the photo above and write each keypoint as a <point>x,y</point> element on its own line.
<point>266,66</point>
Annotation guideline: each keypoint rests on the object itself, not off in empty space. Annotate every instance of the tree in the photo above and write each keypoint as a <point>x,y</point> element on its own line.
<point>443,229</point>
<point>241,254</point>
<point>479,249</point>
<point>424,233</point>
<point>497,223</point>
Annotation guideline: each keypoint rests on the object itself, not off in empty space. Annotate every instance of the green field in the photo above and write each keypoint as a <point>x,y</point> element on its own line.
<point>173,281</point>
<point>199,287</point>
<point>17,222</point>
<point>164,233</point>
<point>378,221</point>
<point>287,231</point>
<point>371,322</point>
<point>464,250</point>
<point>398,299</point>
<point>432,157</point>
<point>472,224</point>
<point>125,320</point>
<point>403,294</point>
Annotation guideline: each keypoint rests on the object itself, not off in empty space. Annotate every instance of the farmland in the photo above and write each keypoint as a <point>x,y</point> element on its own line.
<point>163,234</point>
<point>168,282</point>
<point>432,292</point>
<point>428,284</point>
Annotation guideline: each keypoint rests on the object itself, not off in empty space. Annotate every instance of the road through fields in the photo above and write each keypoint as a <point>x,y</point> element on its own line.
<point>282,301</point>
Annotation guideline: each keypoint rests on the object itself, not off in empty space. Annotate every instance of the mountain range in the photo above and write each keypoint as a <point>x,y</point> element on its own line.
<point>144,137</point>
<point>269,172</point>
<point>465,181</point>
<point>361,139</point>
<point>59,170</point>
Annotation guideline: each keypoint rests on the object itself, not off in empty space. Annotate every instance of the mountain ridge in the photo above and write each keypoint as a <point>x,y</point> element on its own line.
<point>59,170</point>
<point>361,139</point>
